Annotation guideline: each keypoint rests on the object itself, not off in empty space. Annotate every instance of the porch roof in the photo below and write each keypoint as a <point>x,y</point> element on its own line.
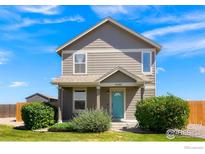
<point>94,80</point>
<point>76,80</point>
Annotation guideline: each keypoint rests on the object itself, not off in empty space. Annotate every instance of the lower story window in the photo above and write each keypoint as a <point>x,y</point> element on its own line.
<point>79,99</point>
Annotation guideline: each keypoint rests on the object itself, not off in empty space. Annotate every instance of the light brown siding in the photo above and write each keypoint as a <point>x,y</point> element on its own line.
<point>108,36</point>
<point>133,94</point>
<point>118,77</point>
<point>148,93</point>
<point>101,63</point>
<point>91,97</point>
<point>67,103</point>
<point>105,98</point>
<point>67,64</point>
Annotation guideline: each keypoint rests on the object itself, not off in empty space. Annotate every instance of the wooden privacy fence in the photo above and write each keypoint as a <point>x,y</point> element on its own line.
<point>18,111</point>
<point>7,110</point>
<point>20,105</point>
<point>197,112</point>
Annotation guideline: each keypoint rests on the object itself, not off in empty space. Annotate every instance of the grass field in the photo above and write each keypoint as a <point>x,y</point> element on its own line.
<point>8,133</point>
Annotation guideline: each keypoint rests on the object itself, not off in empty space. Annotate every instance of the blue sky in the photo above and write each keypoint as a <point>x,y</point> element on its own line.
<point>30,35</point>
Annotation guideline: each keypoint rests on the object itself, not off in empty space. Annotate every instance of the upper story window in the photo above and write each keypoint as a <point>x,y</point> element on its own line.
<point>146,62</point>
<point>80,63</point>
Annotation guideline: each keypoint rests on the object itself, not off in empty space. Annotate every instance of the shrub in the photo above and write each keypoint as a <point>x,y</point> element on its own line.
<point>92,121</point>
<point>38,115</point>
<point>158,114</point>
<point>62,127</point>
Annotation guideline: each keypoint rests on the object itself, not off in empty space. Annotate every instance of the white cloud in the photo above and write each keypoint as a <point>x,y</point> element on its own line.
<point>18,84</point>
<point>46,10</point>
<point>104,11</point>
<point>13,20</point>
<point>181,46</point>
<point>23,23</point>
<point>202,70</point>
<point>65,19</point>
<point>167,18</point>
<point>26,22</point>
<point>160,69</point>
<point>8,15</point>
<point>154,14</point>
<point>174,29</point>
<point>49,49</point>
<point>42,49</point>
<point>118,11</point>
<point>4,56</point>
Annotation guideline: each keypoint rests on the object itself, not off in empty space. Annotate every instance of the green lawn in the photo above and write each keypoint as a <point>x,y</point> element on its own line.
<point>7,133</point>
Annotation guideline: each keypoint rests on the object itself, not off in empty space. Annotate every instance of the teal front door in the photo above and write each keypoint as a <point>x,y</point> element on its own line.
<point>117,104</point>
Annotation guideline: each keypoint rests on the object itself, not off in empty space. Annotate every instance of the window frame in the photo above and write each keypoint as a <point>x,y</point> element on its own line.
<point>79,110</point>
<point>74,63</point>
<point>142,62</point>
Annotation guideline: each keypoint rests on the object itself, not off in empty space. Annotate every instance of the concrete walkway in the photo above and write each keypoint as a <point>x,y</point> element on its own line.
<point>196,130</point>
<point>10,121</point>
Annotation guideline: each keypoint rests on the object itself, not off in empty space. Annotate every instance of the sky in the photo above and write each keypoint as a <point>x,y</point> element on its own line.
<point>31,34</point>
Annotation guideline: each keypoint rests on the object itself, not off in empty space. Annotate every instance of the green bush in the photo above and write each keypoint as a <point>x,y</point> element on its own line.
<point>62,127</point>
<point>92,121</point>
<point>88,121</point>
<point>158,114</point>
<point>38,115</point>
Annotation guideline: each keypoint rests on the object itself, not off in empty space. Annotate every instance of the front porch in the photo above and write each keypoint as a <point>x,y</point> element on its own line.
<point>116,91</point>
<point>118,101</point>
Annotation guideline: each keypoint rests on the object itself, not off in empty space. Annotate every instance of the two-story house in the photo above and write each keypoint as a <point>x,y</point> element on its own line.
<point>108,66</point>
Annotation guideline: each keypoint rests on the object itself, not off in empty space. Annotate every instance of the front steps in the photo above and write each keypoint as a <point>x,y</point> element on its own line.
<point>123,125</point>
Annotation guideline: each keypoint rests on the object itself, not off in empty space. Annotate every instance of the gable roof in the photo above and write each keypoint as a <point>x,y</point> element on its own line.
<point>157,46</point>
<point>42,95</point>
<point>118,68</point>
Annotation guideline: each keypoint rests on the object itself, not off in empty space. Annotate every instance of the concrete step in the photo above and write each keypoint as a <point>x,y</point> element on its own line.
<point>123,124</point>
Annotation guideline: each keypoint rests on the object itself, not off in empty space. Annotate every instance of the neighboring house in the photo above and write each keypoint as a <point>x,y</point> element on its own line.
<point>108,66</point>
<point>37,97</point>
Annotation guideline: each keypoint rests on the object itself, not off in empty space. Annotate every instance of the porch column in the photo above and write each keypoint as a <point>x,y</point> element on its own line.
<point>98,97</point>
<point>60,102</point>
<point>142,89</point>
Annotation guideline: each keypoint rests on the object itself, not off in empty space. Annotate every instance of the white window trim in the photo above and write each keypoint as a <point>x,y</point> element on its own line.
<point>85,62</point>
<point>77,110</point>
<point>142,54</point>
